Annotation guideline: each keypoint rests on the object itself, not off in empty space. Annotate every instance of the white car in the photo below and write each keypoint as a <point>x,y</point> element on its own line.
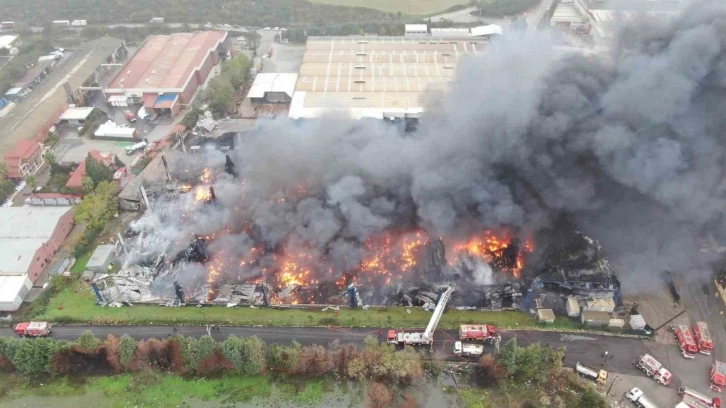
<point>266,28</point>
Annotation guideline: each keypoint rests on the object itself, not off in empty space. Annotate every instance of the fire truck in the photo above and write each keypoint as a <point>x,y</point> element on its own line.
<point>703,338</point>
<point>415,338</point>
<point>32,329</point>
<point>697,398</point>
<point>685,340</point>
<point>718,376</point>
<point>652,368</point>
<point>477,332</point>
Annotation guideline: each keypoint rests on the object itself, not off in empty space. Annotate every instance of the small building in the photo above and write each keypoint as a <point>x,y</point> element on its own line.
<point>486,31</point>
<point>75,115</point>
<point>600,305</point>
<point>75,181</point>
<point>112,131</point>
<point>416,30</point>
<point>52,200</point>
<point>572,307</point>
<point>25,159</point>
<point>12,291</point>
<point>273,88</point>
<point>593,318</point>
<point>637,322</point>
<point>616,323</point>
<point>8,41</point>
<point>570,15</point>
<point>61,23</point>
<point>88,276</point>
<point>545,316</point>
<point>100,260</point>
<point>450,32</point>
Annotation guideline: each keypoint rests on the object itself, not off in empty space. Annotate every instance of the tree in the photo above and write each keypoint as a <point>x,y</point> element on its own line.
<point>237,70</point>
<point>3,171</point>
<point>49,157</point>
<point>220,96</point>
<point>97,209</point>
<point>507,357</point>
<point>31,180</point>
<point>248,355</point>
<point>126,350</point>
<point>378,395</point>
<point>487,372</point>
<point>591,399</point>
<point>529,362</point>
<point>87,341</point>
<point>191,118</point>
<point>314,360</point>
<point>87,184</point>
<point>33,357</point>
<point>97,171</point>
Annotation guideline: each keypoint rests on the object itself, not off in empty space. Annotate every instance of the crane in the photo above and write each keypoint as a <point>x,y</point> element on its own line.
<point>427,336</point>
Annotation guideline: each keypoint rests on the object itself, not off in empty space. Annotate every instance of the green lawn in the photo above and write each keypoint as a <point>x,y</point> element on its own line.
<point>410,7</point>
<point>144,389</point>
<point>80,266</point>
<point>75,304</point>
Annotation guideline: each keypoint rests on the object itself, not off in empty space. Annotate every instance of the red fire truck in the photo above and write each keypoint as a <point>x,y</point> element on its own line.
<point>653,368</point>
<point>703,338</point>
<point>718,376</point>
<point>477,332</point>
<point>684,391</point>
<point>32,329</point>
<point>686,343</point>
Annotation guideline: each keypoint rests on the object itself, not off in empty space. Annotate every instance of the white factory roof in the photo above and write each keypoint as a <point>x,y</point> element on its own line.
<point>10,286</point>
<point>417,27</point>
<point>313,105</point>
<point>29,222</point>
<point>76,113</point>
<point>16,254</point>
<point>6,41</point>
<point>450,32</point>
<point>273,82</point>
<point>486,30</point>
<point>567,12</point>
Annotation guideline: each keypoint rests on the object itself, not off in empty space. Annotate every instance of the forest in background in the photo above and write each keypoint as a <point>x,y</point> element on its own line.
<point>238,12</point>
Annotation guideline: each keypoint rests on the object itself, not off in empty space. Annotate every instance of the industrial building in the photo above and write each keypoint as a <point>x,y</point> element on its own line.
<point>84,67</point>
<point>29,236</point>
<point>25,159</point>
<point>166,72</point>
<point>8,41</point>
<point>273,88</point>
<point>75,116</point>
<point>378,77</point>
<point>101,258</point>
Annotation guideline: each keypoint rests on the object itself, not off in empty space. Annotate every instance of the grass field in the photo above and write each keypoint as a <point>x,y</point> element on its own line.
<point>75,304</point>
<point>410,7</point>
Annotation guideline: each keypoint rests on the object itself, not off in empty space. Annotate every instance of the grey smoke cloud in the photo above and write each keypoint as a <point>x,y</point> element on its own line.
<point>630,144</point>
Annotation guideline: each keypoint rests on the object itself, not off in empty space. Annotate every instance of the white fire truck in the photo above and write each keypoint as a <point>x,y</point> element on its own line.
<point>696,399</point>
<point>469,350</point>
<point>718,376</point>
<point>639,399</point>
<point>652,368</point>
<point>685,340</point>
<point>414,338</point>
<point>703,338</point>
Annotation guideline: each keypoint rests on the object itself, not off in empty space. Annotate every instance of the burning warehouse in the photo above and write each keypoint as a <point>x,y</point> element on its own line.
<point>305,209</point>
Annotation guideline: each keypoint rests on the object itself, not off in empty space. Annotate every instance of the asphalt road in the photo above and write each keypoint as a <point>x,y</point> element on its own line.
<point>582,347</point>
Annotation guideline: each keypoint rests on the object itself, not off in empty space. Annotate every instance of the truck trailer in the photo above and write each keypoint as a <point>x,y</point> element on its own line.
<point>467,349</point>
<point>599,376</point>
<point>652,368</point>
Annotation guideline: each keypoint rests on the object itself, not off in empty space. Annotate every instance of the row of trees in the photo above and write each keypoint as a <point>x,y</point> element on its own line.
<point>540,365</point>
<point>95,211</point>
<point>243,12</point>
<point>221,91</point>
<point>45,357</point>
<point>501,8</point>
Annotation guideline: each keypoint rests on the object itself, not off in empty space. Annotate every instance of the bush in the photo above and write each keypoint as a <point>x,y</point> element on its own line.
<point>247,355</point>
<point>487,372</point>
<point>126,350</point>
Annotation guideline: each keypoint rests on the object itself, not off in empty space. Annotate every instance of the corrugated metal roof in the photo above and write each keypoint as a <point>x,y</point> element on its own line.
<point>273,82</point>
<point>167,61</point>
<point>29,222</point>
<point>76,113</point>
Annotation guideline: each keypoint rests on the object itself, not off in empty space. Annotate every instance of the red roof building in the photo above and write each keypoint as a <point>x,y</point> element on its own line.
<point>167,70</point>
<point>75,182</point>
<point>26,158</point>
